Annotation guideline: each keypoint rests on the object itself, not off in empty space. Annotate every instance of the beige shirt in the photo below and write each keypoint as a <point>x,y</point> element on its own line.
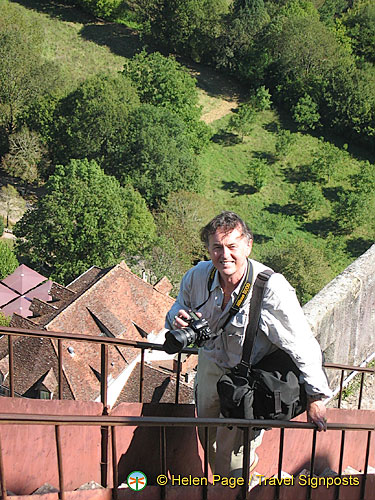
<point>282,323</point>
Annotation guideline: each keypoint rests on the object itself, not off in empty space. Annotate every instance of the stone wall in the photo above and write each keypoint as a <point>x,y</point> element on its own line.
<point>342,314</point>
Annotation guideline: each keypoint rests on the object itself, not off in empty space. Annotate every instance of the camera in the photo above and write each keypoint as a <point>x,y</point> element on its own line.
<point>197,332</point>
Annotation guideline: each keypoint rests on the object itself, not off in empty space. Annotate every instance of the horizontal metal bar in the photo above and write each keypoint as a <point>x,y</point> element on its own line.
<point>16,418</point>
<point>7,330</point>
<point>349,367</point>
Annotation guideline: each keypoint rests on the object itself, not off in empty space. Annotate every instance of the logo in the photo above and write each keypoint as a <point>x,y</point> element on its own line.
<point>137,480</point>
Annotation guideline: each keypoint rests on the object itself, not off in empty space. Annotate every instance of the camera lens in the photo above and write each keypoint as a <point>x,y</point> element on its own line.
<point>176,340</point>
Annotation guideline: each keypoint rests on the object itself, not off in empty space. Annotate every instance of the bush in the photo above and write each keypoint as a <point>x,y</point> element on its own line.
<point>101,8</point>
<point>305,113</point>
<point>1,225</point>
<point>8,261</point>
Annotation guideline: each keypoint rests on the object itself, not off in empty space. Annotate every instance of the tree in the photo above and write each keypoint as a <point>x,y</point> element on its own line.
<point>242,121</point>
<point>259,172</point>
<point>4,320</point>
<point>163,82</point>
<point>308,197</point>
<point>305,113</point>
<point>101,8</point>
<point>157,158</point>
<point>284,141</point>
<point>188,27</point>
<point>85,218</point>
<point>360,22</point>
<point>364,181</point>
<point>24,73</point>
<point>27,156</point>
<point>304,265</point>
<point>92,120</point>
<point>11,202</point>
<point>326,162</point>
<point>351,210</point>
<point>8,261</point>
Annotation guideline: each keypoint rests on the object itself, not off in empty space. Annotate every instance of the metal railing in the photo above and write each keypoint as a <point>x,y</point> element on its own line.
<point>106,342</point>
<point>106,422</point>
<point>111,423</point>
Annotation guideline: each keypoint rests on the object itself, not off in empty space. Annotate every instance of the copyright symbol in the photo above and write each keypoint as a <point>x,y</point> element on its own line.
<point>162,480</point>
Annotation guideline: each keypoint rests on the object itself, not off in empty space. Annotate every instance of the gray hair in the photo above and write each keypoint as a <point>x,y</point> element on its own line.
<point>227,221</point>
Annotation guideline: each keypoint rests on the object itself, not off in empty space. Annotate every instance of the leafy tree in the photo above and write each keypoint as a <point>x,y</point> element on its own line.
<point>326,162</point>
<point>92,121</point>
<point>360,22</point>
<point>261,100</point>
<point>85,218</point>
<point>23,72</point>
<point>8,261</point>
<point>157,158</point>
<point>351,210</point>
<point>188,27</point>
<point>304,265</point>
<point>259,172</point>
<point>284,141</point>
<point>305,113</point>
<point>27,156</point>
<point>1,225</point>
<point>242,121</point>
<point>101,8</point>
<point>11,202</point>
<point>163,82</point>
<point>308,196</point>
<point>364,181</point>
<point>4,320</point>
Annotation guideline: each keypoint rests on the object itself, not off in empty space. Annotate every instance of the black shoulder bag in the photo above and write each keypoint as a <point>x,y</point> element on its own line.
<point>268,390</point>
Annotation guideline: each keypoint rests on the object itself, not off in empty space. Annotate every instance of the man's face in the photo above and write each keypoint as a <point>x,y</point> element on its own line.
<point>229,251</point>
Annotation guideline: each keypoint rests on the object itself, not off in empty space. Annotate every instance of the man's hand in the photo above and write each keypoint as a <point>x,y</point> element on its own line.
<point>316,414</point>
<point>181,317</point>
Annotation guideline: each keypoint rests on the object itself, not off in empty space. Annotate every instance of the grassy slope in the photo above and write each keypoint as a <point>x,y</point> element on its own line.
<point>85,46</point>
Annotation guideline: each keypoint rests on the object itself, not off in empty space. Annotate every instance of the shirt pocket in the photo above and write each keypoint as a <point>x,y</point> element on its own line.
<point>237,325</point>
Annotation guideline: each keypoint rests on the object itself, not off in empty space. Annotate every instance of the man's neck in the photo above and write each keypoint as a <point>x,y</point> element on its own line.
<point>230,283</point>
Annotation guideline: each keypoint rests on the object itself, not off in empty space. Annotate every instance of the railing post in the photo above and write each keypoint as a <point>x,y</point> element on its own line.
<point>246,461</point>
<point>178,377</point>
<point>11,366</point>
<point>163,460</point>
<point>59,462</point>
<point>280,463</point>
<point>114,463</point>
<point>2,475</point>
<point>141,375</point>
<point>104,429</point>
<point>60,355</point>
<point>312,464</point>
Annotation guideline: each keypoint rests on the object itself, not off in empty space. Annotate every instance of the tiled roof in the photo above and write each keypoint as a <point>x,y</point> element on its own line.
<point>99,302</point>
<point>159,387</point>
<point>23,279</point>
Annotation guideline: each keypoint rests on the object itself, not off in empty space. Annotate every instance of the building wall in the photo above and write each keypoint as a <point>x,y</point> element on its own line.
<point>342,314</point>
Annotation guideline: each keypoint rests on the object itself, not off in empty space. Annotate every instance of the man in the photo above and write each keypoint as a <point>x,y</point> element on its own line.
<point>282,325</point>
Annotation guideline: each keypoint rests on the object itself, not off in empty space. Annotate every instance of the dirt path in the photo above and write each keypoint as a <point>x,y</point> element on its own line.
<point>220,94</point>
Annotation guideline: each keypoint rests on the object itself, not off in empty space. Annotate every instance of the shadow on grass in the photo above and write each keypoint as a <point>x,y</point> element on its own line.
<point>332,193</point>
<point>239,189</point>
<point>321,227</point>
<point>358,246</point>
<point>299,174</point>
<point>261,238</point>
<point>263,155</point>
<point>120,39</point>
<point>290,209</point>
<point>226,138</point>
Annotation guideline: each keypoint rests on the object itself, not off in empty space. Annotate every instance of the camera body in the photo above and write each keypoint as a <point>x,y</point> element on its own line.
<point>197,332</point>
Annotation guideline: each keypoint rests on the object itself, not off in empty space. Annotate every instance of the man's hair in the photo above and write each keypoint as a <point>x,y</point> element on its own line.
<point>226,221</point>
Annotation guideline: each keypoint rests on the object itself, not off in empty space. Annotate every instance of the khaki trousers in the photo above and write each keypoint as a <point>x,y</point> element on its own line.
<point>225,446</point>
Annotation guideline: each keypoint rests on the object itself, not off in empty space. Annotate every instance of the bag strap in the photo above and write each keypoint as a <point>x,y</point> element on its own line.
<point>254,317</point>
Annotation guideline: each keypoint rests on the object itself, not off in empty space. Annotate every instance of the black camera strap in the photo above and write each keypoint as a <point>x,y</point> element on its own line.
<point>254,317</point>
<point>242,295</point>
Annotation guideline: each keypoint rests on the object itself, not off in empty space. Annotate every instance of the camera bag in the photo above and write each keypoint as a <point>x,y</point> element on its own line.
<point>268,390</point>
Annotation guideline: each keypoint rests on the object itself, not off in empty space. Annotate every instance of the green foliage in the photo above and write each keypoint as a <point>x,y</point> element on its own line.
<point>4,320</point>
<point>85,218</point>
<point>106,9</point>
<point>259,173</point>
<point>326,162</point>
<point>303,264</point>
<point>92,121</point>
<point>364,181</point>
<point>284,141</point>
<point>261,100</point>
<point>1,225</point>
<point>163,82</point>
<point>8,261</point>
<point>360,22</point>
<point>351,210</point>
<point>189,27</point>
<point>24,74</point>
<point>308,196</point>
<point>27,156</point>
<point>157,158</point>
<point>242,121</point>
<point>305,113</point>
<point>11,202</point>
